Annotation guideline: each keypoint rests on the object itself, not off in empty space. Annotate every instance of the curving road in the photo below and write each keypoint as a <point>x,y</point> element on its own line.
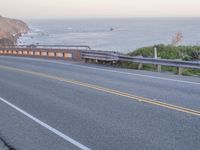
<point>61,105</point>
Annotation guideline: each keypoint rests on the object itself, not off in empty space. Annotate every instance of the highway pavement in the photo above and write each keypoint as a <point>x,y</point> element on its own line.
<point>60,105</point>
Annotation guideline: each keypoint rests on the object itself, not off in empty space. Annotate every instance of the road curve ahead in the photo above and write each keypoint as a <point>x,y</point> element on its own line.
<point>59,105</point>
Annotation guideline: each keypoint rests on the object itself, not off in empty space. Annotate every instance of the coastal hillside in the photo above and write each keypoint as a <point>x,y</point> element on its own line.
<point>10,30</point>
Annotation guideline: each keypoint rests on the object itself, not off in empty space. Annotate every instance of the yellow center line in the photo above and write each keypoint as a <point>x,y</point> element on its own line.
<point>108,90</point>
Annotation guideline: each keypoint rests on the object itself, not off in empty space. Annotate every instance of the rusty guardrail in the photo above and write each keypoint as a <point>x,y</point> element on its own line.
<point>57,53</point>
<point>47,51</point>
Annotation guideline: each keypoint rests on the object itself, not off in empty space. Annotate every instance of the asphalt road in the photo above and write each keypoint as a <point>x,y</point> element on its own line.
<point>59,105</point>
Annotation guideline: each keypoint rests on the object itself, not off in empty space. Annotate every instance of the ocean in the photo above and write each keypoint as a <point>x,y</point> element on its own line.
<point>121,35</point>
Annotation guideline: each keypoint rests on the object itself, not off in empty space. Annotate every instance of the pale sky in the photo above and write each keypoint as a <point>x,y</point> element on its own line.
<point>98,8</point>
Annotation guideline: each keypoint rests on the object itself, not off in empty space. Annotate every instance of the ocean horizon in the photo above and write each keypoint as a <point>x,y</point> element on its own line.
<point>121,35</point>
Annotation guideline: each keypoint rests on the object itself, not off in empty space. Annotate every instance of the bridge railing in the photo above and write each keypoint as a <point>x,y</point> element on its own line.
<point>56,53</point>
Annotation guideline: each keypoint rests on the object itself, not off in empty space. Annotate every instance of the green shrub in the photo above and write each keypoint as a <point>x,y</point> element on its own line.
<point>169,52</point>
<point>187,53</point>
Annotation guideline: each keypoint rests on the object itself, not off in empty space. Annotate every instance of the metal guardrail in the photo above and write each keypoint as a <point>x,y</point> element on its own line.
<point>115,57</point>
<point>107,56</point>
<point>99,56</point>
<point>163,62</point>
<point>32,46</point>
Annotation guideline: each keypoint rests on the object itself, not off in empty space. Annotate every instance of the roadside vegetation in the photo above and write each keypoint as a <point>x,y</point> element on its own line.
<point>186,53</point>
<point>171,51</point>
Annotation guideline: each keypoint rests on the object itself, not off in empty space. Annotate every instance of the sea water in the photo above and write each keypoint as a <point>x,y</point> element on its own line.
<point>122,35</point>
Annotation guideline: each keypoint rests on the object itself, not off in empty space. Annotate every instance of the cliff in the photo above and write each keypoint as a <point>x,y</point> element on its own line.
<point>10,30</point>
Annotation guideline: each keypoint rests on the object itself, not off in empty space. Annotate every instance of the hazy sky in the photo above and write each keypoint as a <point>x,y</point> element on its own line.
<point>99,8</point>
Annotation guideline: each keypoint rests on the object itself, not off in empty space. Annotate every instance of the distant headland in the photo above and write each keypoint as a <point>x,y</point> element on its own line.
<point>11,30</point>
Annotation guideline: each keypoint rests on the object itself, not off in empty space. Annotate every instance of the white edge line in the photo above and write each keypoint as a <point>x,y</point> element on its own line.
<point>127,73</point>
<point>60,134</point>
<point>101,69</point>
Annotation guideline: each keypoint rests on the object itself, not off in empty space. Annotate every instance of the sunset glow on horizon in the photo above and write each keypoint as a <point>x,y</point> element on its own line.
<point>99,8</point>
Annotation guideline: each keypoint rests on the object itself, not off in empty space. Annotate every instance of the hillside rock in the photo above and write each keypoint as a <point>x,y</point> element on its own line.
<point>11,30</point>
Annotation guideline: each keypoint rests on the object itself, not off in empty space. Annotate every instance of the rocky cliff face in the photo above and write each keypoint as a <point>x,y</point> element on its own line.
<point>10,30</point>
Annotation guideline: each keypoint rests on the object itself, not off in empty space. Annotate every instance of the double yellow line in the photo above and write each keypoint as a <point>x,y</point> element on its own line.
<point>108,90</point>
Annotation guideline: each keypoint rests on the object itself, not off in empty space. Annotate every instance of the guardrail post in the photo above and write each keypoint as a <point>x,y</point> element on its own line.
<point>140,66</point>
<point>86,60</point>
<point>114,62</point>
<point>89,60</point>
<point>179,70</point>
<point>159,68</point>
